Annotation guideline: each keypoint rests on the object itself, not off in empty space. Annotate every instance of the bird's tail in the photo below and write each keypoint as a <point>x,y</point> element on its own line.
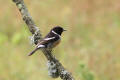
<point>31,53</point>
<point>38,47</point>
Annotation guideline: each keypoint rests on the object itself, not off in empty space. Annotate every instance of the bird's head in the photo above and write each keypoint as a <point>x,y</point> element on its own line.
<point>58,30</point>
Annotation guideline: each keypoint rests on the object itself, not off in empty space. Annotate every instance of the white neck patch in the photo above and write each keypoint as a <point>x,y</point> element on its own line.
<point>55,33</point>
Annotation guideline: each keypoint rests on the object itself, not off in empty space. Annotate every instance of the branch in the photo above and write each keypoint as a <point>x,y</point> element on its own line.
<point>55,68</point>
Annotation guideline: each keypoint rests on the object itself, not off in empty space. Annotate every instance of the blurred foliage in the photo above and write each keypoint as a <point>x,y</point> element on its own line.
<point>16,39</point>
<point>90,49</point>
<point>3,38</point>
<point>84,72</point>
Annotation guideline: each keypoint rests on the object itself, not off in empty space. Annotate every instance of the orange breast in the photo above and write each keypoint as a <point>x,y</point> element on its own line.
<point>56,43</point>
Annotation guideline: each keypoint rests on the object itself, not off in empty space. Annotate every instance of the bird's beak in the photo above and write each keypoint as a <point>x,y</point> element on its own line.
<point>64,30</point>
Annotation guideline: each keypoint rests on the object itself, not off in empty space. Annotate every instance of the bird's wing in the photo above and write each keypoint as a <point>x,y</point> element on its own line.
<point>45,41</point>
<point>41,44</point>
<point>48,39</point>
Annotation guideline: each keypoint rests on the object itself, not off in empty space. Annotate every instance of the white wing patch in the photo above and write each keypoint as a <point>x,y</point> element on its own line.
<point>40,46</point>
<point>49,38</point>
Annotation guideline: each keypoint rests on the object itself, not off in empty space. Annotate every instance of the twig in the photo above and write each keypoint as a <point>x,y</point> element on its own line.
<point>55,68</point>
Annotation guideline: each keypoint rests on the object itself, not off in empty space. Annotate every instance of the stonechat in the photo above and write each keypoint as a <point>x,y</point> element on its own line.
<point>51,40</point>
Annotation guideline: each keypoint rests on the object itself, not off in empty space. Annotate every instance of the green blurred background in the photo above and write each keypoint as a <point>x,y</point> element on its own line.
<point>90,49</point>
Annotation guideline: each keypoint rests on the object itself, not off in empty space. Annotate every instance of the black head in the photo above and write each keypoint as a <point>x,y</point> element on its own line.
<point>58,30</point>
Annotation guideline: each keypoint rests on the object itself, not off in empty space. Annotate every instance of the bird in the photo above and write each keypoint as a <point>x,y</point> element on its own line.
<point>51,40</point>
